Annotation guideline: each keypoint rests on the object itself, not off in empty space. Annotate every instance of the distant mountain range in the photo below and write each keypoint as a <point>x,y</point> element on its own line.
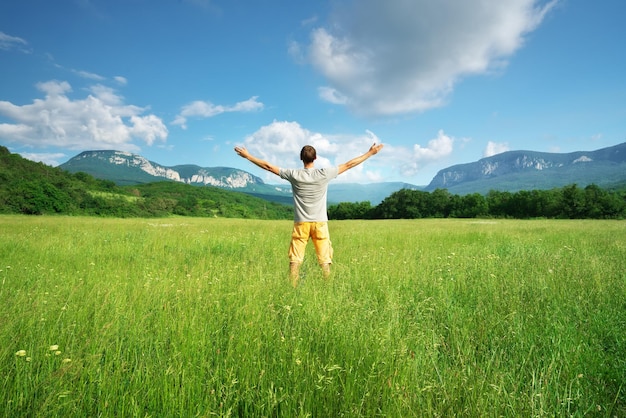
<point>529,170</point>
<point>510,171</point>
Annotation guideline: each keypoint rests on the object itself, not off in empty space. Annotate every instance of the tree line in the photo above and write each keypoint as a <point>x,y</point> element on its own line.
<point>569,202</point>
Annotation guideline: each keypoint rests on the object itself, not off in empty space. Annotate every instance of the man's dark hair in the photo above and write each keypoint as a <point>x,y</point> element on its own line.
<point>308,154</point>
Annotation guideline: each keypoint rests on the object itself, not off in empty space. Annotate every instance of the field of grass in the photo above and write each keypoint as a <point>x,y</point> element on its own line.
<point>184,317</point>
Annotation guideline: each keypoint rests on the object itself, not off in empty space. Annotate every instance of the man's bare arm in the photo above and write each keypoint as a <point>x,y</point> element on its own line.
<point>243,152</point>
<point>358,160</point>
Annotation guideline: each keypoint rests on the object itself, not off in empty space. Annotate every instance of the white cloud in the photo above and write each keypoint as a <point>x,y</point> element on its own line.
<point>280,143</point>
<point>400,56</point>
<point>409,162</point>
<point>149,128</point>
<point>88,75</point>
<point>494,148</point>
<point>294,49</point>
<point>8,42</point>
<point>437,148</point>
<point>99,121</point>
<point>332,95</point>
<point>122,81</point>
<point>54,87</point>
<point>310,21</point>
<point>106,94</point>
<point>204,109</point>
<point>51,158</point>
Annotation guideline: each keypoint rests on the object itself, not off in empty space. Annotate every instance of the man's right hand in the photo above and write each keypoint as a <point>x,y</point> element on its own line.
<point>358,160</point>
<point>242,152</point>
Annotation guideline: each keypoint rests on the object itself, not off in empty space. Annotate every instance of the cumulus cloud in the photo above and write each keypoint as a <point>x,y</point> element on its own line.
<point>437,148</point>
<point>280,143</point>
<point>494,148</point>
<point>204,109</point>
<point>409,162</point>
<point>398,56</point>
<point>51,158</point>
<point>106,94</point>
<point>99,121</point>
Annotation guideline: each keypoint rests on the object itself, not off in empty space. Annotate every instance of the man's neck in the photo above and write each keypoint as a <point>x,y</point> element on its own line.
<point>309,165</point>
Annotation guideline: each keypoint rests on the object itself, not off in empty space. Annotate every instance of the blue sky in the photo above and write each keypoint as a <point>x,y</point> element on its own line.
<point>439,83</point>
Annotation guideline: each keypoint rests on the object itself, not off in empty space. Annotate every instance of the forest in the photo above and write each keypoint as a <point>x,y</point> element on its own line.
<point>569,202</point>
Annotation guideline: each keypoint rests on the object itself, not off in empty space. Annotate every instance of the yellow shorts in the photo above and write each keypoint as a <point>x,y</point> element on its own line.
<point>316,231</point>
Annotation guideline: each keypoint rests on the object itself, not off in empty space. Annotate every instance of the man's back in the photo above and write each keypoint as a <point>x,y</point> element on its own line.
<point>310,186</point>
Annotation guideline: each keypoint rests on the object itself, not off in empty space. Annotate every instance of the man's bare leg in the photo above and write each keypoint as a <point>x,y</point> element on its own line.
<point>294,273</point>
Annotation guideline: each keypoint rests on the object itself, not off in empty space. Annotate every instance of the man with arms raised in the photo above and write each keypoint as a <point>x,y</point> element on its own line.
<point>310,186</point>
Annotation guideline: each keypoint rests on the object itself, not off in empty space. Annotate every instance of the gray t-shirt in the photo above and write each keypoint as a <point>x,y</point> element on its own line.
<point>310,186</point>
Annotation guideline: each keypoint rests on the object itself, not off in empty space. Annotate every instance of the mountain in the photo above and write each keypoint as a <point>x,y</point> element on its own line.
<point>529,170</point>
<point>125,168</point>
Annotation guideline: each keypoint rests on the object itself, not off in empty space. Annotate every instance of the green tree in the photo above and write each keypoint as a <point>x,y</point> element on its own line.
<point>440,204</point>
<point>404,204</point>
<point>573,199</point>
<point>350,210</point>
<point>499,203</point>
<point>471,206</point>
<point>602,204</point>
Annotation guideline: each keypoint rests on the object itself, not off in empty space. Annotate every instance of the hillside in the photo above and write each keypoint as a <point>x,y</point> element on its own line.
<point>528,170</point>
<point>28,187</point>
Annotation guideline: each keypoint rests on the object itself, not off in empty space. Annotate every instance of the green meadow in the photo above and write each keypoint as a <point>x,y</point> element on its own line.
<point>186,317</point>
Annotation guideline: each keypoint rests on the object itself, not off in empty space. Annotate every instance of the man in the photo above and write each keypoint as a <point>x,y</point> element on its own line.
<point>310,186</point>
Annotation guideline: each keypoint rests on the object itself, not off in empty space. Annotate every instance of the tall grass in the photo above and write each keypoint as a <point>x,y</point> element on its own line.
<point>196,317</point>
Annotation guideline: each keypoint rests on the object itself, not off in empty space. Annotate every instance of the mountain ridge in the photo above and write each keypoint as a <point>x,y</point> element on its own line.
<point>136,168</point>
<point>526,170</point>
